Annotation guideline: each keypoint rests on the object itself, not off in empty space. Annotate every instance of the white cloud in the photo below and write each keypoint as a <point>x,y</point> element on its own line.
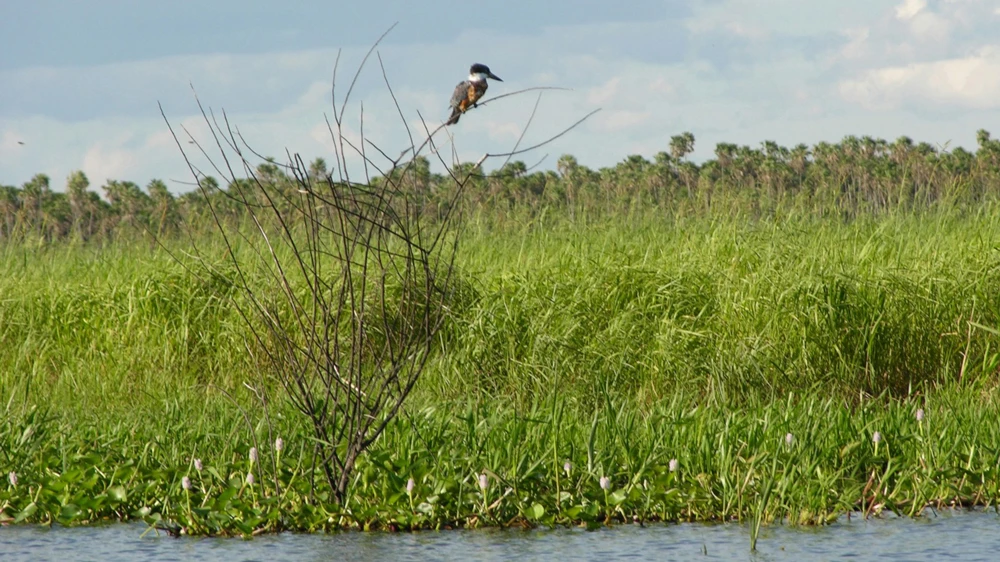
<point>661,86</point>
<point>908,9</point>
<point>621,120</point>
<point>730,23</point>
<point>605,92</point>
<point>787,76</point>
<point>748,31</point>
<point>857,43</point>
<point>968,82</point>
<point>928,26</point>
<point>793,17</point>
<point>105,162</point>
<point>916,32</point>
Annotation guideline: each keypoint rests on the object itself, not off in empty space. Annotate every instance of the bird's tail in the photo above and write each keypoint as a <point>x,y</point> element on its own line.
<point>455,114</point>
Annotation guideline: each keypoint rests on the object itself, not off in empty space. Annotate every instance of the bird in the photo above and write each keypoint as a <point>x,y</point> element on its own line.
<point>469,91</point>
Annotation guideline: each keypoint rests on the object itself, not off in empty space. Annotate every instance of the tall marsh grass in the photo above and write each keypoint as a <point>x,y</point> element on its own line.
<point>709,369</point>
<point>728,310</point>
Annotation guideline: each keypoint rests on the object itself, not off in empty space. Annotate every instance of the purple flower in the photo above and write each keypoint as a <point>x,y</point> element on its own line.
<point>279,444</point>
<point>250,478</point>
<point>876,438</point>
<point>920,414</point>
<point>672,465</point>
<point>605,483</point>
<point>253,455</point>
<point>12,477</point>
<point>789,439</point>
<point>186,483</point>
<point>410,484</point>
<point>567,466</point>
<point>484,481</point>
<point>197,465</point>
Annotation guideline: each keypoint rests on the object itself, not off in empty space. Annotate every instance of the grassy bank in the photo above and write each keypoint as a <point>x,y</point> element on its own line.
<point>616,346</point>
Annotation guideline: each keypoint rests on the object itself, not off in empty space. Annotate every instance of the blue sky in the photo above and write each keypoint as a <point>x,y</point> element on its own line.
<point>81,81</point>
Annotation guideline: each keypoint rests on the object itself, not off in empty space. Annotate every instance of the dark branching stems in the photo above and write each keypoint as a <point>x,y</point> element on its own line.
<point>343,283</point>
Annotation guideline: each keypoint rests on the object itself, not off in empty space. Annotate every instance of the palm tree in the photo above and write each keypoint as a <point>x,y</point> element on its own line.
<point>681,145</point>
<point>76,190</point>
<point>10,205</point>
<point>164,206</point>
<point>33,194</point>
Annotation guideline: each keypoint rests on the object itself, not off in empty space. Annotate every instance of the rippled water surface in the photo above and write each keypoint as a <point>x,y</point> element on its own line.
<point>935,536</point>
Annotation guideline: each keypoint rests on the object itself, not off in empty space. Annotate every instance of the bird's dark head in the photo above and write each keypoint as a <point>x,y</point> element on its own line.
<point>483,71</point>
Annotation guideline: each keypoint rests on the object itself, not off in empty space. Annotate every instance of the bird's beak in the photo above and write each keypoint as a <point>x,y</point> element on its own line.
<point>494,76</point>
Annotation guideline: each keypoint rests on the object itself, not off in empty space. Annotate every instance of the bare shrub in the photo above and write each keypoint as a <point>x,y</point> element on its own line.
<point>342,280</point>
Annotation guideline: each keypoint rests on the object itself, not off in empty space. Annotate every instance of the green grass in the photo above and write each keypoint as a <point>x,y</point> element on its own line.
<point>727,310</point>
<point>614,346</point>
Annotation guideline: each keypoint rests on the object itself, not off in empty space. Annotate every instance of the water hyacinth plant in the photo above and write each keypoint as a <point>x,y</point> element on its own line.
<point>836,473</point>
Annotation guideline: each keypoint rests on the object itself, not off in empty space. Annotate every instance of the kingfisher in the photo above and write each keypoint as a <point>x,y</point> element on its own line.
<point>468,91</point>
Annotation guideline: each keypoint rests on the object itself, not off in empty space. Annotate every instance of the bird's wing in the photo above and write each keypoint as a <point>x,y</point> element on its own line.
<point>460,92</point>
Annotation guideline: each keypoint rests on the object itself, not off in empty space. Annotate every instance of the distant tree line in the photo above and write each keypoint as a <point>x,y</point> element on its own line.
<point>857,175</point>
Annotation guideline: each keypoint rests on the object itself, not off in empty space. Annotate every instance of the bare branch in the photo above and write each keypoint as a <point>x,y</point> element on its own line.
<point>546,141</point>
<point>361,67</point>
<point>343,284</point>
<point>524,131</point>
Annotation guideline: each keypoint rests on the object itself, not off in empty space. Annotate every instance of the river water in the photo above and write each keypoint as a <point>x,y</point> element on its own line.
<point>951,535</point>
